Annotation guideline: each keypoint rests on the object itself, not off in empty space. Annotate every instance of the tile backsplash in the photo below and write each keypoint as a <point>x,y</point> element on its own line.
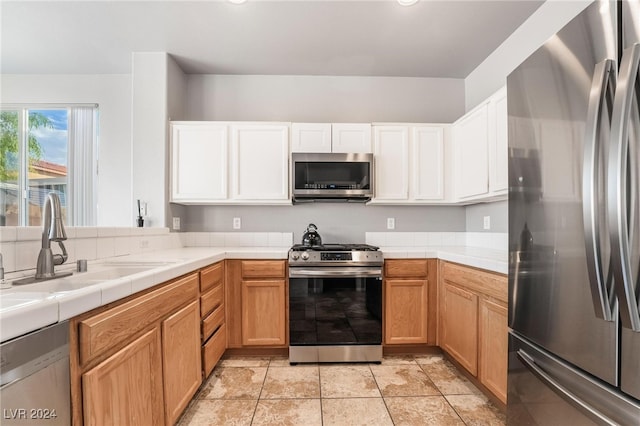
<point>20,245</point>
<point>237,239</point>
<point>489,240</point>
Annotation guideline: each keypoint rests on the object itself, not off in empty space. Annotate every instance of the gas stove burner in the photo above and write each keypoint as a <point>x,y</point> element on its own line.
<point>335,247</point>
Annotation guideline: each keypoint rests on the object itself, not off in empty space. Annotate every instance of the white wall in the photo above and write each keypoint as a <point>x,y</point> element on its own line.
<point>177,110</point>
<point>492,73</point>
<point>324,98</point>
<point>113,95</point>
<point>149,135</point>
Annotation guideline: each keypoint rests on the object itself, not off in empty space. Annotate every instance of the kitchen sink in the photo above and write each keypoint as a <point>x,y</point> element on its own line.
<point>98,273</point>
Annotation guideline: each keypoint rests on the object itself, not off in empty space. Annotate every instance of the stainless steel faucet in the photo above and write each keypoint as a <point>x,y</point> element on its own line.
<point>53,230</point>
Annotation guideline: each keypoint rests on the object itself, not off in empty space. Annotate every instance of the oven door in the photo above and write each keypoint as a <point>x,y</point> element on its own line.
<point>335,308</point>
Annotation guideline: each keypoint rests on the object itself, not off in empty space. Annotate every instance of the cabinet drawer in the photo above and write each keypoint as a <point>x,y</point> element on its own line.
<point>212,350</point>
<point>263,269</point>
<point>211,299</point>
<point>489,283</point>
<point>212,322</point>
<point>414,268</point>
<point>211,276</point>
<point>105,330</point>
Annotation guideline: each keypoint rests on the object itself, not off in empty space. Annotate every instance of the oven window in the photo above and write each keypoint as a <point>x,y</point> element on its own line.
<point>335,311</point>
<point>332,175</point>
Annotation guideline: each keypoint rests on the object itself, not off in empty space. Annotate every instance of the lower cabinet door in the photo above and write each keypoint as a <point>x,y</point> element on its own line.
<point>493,354</point>
<point>181,357</point>
<point>405,311</point>
<point>263,313</point>
<point>460,327</point>
<point>126,388</point>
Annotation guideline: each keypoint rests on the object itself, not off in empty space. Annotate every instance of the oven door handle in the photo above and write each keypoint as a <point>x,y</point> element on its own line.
<point>336,272</point>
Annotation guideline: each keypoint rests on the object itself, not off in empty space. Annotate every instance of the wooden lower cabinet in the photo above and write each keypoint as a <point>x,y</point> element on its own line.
<point>405,311</point>
<point>493,350</point>
<point>138,361</point>
<point>473,323</point>
<point>410,301</point>
<point>126,388</point>
<point>256,303</point>
<point>212,311</point>
<point>460,326</point>
<point>263,313</point>
<point>181,359</point>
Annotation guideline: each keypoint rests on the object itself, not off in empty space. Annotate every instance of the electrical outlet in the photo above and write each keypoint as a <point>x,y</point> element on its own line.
<point>487,222</point>
<point>237,223</point>
<point>176,223</point>
<point>391,223</point>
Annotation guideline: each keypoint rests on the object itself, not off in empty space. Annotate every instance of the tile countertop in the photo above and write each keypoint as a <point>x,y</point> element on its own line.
<point>478,257</point>
<point>29,307</point>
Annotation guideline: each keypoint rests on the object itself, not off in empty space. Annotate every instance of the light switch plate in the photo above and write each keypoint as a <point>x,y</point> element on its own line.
<point>487,222</point>
<point>237,223</point>
<point>176,223</point>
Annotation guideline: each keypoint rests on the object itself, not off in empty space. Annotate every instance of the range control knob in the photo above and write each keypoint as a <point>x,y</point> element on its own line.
<point>295,256</point>
<point>304,256</point>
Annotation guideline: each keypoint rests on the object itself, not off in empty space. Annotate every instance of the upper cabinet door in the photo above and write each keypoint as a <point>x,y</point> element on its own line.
<point>428,163</point>
<point>391,154</point>
<point>472,162</point>
<point>499,179</point>
<point>311,137</point>
<point>198,162</point>
<point>351,137</point>
<point>260,162</point>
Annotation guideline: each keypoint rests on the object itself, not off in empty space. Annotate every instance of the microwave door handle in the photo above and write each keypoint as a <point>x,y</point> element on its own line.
<point>622,178</point>
<point>600,102</point>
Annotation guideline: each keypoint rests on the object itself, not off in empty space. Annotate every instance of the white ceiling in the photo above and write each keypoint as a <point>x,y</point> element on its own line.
<point>442,39</point>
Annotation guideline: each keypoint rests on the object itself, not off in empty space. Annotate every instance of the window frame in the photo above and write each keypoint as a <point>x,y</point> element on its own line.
<point>72,195</point>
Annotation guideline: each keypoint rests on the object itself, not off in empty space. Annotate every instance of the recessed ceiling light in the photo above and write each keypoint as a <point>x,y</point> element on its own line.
<point>407,2</point>
<point>238,1</point>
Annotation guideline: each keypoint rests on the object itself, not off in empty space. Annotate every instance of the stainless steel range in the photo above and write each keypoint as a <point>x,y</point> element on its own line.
<point>335,303</point>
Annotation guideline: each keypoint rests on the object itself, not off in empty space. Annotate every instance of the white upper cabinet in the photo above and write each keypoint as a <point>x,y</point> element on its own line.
<point>498,177</point>
<point>409,164</point>
<point>481,145</point>
<point>311,137</point>
<point>260,162</point>
<point>346,137</point>
<point>427,154</point>
<point>391,162</point>
<point>198,162</point>
<point>229,163</point>
<point>471,139</point>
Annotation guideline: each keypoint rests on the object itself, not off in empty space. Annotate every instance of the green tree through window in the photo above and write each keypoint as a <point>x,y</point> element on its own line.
<point>9,142</point>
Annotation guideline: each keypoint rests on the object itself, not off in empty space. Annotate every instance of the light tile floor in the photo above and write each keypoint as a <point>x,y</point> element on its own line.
<point>402,390</point>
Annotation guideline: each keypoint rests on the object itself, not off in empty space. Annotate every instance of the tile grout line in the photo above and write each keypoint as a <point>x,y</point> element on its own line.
<point>320,393</point>
<point>381,395</point>
<point>255,409</point>
<point>443,395</point>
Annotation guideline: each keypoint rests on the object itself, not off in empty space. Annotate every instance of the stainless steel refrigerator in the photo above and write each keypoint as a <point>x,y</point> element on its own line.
<point>574,224</point>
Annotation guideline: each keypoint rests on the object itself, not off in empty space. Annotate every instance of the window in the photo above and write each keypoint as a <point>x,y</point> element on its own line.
<point>47,149</point>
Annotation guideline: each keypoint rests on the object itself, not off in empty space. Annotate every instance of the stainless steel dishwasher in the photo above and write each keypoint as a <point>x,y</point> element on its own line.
<point>35,381</point>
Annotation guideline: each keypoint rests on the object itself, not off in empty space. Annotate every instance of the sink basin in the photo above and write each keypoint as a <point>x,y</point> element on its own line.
<point>111,273</point>
<point>78,280</point>
<point>139,263</point>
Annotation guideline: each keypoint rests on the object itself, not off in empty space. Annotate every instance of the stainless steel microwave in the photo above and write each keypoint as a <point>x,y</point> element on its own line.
<point>332,177</point>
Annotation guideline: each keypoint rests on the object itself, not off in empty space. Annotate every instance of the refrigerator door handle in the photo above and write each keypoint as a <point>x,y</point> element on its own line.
<point>530,363</point>
<point>600,102</point>
<point>622,191</point>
